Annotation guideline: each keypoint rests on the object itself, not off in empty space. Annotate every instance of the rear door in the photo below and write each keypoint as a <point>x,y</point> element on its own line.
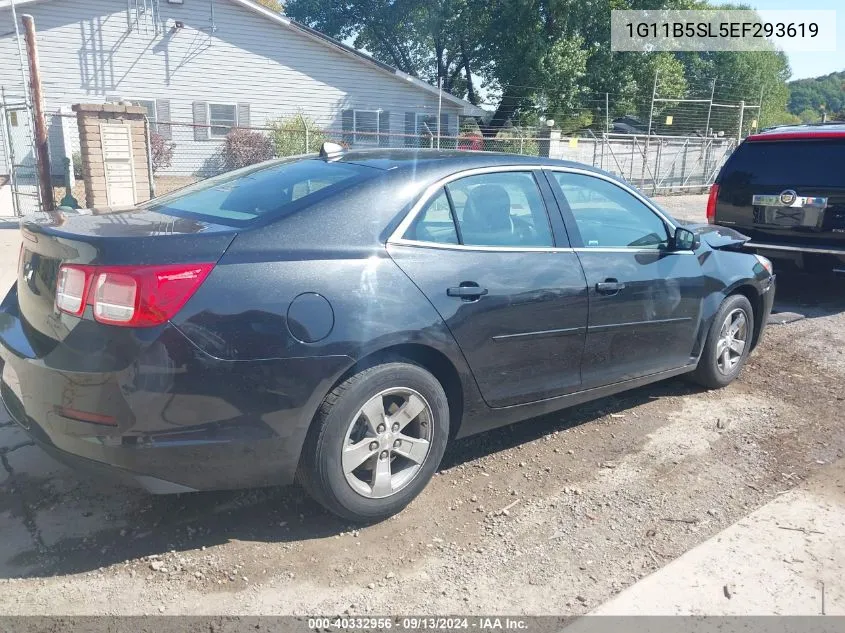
<point>787,191</point>
<point>645,301</point>
<point>500,272</point>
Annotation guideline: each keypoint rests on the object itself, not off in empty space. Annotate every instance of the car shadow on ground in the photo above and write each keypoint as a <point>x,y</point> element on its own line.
<point>125,524</point>
<point>809,295</point>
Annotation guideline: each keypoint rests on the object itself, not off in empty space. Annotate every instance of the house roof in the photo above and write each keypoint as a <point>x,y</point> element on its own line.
<point>325,40</point>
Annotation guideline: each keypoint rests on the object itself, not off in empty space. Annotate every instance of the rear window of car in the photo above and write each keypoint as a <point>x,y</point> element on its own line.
<point>807,163</point>
<point>276,189</point>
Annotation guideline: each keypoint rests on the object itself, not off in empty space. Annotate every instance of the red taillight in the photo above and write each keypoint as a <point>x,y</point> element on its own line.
<point>132,296</point>
<point>711,204</point>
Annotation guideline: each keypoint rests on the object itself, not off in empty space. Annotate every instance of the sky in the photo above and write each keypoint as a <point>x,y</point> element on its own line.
<point>810,64</point>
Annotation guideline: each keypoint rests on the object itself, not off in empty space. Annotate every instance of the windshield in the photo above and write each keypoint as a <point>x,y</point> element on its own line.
<point>276,188</point>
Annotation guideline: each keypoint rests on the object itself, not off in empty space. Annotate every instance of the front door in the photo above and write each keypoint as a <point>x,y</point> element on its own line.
<point>483,251</point>
<point>645,300</point>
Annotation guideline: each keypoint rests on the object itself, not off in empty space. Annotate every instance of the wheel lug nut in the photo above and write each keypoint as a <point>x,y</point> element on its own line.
<point>395,427</point>
<point>397,443</point>
<point>381,428</point>
<point>383,455</point>
<point>373,446</point>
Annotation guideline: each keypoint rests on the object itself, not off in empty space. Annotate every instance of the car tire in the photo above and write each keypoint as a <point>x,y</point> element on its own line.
<point>715,369</point>
<point>348,428</point>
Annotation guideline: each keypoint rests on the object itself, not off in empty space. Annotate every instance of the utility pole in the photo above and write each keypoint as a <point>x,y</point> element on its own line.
<point>741,115</point>
<point>42,154</point>
<point>710,108</point>
<point>439,107</point>
<point>606,113</point>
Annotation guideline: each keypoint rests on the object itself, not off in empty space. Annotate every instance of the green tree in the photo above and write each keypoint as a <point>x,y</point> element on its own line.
<point>436,40</point>
<point>809,115</point>
<point>827,91</point>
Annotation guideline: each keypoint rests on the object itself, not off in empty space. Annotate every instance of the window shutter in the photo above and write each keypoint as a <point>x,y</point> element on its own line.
<point>200,121</point>
<point>243,115</point>
<point>384,129</point>
<point>163,114</point>
<point>410,129</point>
<point>347,120</point>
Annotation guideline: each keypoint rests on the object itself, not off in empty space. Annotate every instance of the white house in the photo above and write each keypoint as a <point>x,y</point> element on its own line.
<point>216,63</point>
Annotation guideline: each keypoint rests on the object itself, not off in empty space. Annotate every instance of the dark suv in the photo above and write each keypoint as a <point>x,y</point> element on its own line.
<point>785,189</point>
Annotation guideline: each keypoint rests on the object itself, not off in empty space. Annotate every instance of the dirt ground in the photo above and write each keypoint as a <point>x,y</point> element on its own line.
<point>551,516</point>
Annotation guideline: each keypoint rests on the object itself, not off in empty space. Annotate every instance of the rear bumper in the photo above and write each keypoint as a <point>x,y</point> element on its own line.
<point>791,248</point>
<point>178,419</point>
<point>822,258</point>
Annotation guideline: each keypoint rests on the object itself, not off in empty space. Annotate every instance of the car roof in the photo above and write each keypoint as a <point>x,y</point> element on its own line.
<point>800,132</point>
<point>446,160</point>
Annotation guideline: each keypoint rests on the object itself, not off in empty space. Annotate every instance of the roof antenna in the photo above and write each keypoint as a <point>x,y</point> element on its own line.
<point>330,150</point>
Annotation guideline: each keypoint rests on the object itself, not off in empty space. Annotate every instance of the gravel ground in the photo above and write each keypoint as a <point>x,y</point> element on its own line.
<point>550,516</point>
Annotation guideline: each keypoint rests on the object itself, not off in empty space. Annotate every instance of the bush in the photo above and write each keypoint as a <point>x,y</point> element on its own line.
<point>515,140</point>
<point>161,151</point>
<point>289,137</point>
<point>244,147</point>
<point>76,159</point>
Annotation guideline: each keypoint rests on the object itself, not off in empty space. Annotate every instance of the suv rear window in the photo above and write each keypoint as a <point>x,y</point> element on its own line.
<point>244,195</point>
<point>799,163</point>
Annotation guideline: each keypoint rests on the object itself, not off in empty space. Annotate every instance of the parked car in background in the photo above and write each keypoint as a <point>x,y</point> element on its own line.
<point>338,319</point>
<point>785,189</point>
<point>629,124</point>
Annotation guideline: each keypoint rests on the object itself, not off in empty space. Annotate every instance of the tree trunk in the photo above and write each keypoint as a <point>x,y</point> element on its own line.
<point>471,95</point>
<point>504,113</point>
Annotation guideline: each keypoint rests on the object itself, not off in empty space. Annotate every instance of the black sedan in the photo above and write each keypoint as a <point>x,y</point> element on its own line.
<point>337,319</point>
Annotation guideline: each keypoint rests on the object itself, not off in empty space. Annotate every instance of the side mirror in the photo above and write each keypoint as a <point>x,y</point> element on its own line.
<point>685,240</point>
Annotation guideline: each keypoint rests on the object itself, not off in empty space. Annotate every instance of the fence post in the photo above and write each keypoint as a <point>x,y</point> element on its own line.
<point>656,175</point>
<point>741,115</point>
<point>307,135</point>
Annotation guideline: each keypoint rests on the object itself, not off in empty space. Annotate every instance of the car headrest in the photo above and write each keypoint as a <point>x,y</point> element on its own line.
<point>488,209</point>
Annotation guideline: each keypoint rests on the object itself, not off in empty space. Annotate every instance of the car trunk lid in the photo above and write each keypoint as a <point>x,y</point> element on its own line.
<point>137,237</point>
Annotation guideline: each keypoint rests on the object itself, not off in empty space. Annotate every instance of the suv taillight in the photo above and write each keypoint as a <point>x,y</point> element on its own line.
<point>131,296</point>
<point>711,204</point>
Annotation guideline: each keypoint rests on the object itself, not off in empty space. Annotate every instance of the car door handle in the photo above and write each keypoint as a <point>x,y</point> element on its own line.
<point>467,292</point>
<point>609,286</point>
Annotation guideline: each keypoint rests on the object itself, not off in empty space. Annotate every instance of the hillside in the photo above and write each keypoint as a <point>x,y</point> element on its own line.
<point>807,96</point>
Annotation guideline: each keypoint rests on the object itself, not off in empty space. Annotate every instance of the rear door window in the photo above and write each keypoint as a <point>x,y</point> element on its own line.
<point>242,196</point>
<point>495,209</point>
<point>500,209</point>
<point>807,163</point>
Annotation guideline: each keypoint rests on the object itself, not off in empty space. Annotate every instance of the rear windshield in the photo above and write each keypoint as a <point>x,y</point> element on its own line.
<point>242,196</point>
<point>810,163</point>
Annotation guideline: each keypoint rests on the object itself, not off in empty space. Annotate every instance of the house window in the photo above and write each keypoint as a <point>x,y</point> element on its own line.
<point>150,106</point>
<point>426,129</point>
<point>427,125</point>
<point>366,127</point>
<point>222,117</point>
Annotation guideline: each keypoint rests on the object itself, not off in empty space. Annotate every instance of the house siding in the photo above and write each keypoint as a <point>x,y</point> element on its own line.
<point>94,50</point>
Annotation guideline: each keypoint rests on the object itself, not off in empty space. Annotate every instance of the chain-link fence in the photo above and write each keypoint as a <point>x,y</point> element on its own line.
<point>182,153</point>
